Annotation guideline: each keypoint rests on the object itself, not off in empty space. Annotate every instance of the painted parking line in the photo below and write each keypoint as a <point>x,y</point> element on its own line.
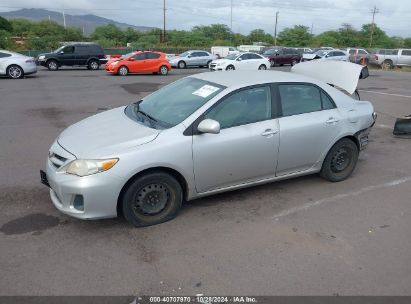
<point>382,93</point>
<point>341,196</point>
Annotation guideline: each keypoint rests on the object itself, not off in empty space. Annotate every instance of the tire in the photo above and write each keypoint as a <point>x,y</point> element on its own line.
<point>15,72</point>
<point>152,199</point>
<point>93,65</point>
<point>262,67</point>
<point>123,71</point>
<point>230,68</point>
<point>294,62</point>
<point>182,65</point>
<point>208,64</point>
<point>272,63</point>
<point>340,161</point>
<point>163,70</point>
<point>388,64</point>
<point>52,65</point>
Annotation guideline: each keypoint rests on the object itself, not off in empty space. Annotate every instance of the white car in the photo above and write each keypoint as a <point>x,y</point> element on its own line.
<point>15,65</point>
<point>245,61</point>
<point>327,55</point>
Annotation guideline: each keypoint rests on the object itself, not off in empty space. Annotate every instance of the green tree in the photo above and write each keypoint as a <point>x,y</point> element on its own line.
<point>259,35</point>
<point>407,43</point>
<point>214,31</point>
<point>379,38</point>
<point>5,25</point>
<point>347,36</point>
<point>329,38</point>
<point>299,35</point>
<point>108,32</point>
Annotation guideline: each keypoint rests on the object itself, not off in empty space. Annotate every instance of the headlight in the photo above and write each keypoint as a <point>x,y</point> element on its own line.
<point>83,167</point>
<point>41,57</point>
<point>115,63</point>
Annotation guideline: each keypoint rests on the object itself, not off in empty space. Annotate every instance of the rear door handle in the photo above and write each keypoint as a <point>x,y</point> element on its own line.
<point>332,120</point>
<point>269,132</point>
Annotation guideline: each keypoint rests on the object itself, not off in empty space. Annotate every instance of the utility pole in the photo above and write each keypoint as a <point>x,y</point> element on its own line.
<point>64,20</point>
<point>164,22</point>
<point>275,31</point>
<point>312,27</point>
<point>374,11</point>
<point>231,20</point>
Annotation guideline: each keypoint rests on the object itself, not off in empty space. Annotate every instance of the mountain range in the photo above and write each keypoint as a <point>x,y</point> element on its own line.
<point>87,23</point>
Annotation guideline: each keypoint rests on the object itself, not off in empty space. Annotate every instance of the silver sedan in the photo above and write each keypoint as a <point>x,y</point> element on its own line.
<point>15,65</point>
<point>201,135</point>
<point>192,58</point>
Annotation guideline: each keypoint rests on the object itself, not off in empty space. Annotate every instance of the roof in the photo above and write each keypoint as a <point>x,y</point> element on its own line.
<point>244,78</point>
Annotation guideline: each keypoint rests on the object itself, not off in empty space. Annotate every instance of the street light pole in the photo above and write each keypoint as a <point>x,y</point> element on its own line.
<point>275,32</point>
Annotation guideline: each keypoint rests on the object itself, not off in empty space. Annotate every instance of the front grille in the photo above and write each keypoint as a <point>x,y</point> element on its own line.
<point>57,160</point>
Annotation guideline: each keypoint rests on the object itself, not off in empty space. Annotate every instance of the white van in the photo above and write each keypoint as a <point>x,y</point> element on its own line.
<point>223,51</point>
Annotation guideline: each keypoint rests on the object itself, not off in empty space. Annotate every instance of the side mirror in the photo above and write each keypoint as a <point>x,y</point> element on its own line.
<point>209,126</point>
<point>189,56</point>
<point>277,54</point>
<point>239,59</point>
<point>61,52</point>
<point>131,59</point>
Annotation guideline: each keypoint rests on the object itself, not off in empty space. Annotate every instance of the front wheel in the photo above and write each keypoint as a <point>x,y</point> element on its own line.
<point>123,71</point>
<point>181,65</point>
<point>340,161</point>
<point>14,71</point>
<point>152,199</point>
<point>52,65</point>
<point>262,67</point>
<point>163,70</point>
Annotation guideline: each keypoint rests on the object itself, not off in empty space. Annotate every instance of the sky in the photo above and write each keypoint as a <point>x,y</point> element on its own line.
<point>394,17</point>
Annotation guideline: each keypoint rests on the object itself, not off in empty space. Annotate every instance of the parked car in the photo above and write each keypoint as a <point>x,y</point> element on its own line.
<point>74,54</point>
<point>245,61</point>
<point>117,57</point>
<point>223,51</point>
<point>15,65</point>
<point>192,58</point>
<point>302,51</point>
<point>389,58</point>
<point>326,55</point>
<point>205,134</point>
<point>358,55</point>
<point>140,62</point>
<point>281,56</point>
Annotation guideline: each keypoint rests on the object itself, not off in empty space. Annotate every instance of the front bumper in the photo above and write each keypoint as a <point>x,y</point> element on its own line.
<point>89,197</point>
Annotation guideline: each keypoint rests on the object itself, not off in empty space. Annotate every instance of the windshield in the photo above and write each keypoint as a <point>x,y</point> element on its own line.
<point>321,53</point>
<point>185,54</point>
<point>172,104</point>
<point>126,55</point>
<point>231,57</point>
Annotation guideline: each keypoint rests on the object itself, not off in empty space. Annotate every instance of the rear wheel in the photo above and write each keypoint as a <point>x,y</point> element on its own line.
<point>93,65</point>
<point>262,67</point>
<point>52,65</point>
<point>340,161</point>
<point>230,68</point>
<point>123,71</point>
<point>14,71</point>
<point>163,70</point>
<point>152,199</point>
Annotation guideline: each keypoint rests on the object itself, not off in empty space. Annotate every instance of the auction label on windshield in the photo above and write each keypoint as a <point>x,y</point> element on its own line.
<point>205,91</point>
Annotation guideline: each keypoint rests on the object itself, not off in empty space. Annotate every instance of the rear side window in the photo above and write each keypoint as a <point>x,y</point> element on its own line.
<point>406,52</point>
<point>394,52</point>
<point>2,55</point>
<point>362,52</point>
<point>302,98</point>
<point>153,56</point>
<point>352,52</point>
<point>140,56</point>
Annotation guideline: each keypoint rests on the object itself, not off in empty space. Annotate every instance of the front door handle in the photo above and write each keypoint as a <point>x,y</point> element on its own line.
<point>269,132</point>
<point>332,120</point>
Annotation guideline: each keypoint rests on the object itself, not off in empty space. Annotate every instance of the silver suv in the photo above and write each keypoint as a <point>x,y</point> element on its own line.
<point>390,58</point>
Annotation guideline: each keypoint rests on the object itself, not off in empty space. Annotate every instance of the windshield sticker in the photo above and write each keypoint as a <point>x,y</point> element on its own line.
<point>205,91</point>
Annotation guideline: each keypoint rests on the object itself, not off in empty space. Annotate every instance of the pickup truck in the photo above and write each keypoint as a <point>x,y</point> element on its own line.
<point>390,58</point>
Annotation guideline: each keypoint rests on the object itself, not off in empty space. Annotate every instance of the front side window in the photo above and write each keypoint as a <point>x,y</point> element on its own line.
<point>362,52</point>
<point>153,56</point>
<point>68,50</point>
<point>243,107</point>
<point>245,57</point>
<point>173,103</point>
<point>299,99</point>
<point>140,56</point>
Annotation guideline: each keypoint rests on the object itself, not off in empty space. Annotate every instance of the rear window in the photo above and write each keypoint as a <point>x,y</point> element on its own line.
<point>2,55</point>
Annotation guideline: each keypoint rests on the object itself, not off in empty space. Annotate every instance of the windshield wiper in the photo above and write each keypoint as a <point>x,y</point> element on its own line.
<point>150,118</point>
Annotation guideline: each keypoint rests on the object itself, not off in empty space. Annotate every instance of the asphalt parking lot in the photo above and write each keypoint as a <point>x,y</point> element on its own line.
<point>298,237</point>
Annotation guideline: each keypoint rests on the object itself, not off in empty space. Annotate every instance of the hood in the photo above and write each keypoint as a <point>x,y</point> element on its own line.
<point>310,56</point>
<point>105,135</point>
<point>338,73</point>
<point>222,61</point>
